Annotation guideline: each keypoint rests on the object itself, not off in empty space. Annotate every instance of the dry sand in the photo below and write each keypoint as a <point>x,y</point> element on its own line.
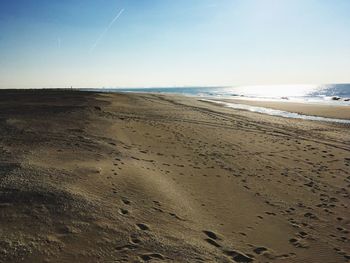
<point>88,177</point>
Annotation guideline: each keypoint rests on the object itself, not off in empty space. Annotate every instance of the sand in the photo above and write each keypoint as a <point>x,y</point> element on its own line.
<point>89,177</point>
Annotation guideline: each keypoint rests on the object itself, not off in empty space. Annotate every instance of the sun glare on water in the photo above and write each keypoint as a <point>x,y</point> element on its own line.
<point>274,91</point>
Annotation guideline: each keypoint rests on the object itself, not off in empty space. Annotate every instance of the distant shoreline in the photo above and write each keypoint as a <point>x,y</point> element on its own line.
<point>330,103</point>
<point>323,110</point>
<point>341,112</point>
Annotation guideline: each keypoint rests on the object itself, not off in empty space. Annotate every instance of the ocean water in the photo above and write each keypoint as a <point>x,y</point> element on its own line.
<point>331,94</point>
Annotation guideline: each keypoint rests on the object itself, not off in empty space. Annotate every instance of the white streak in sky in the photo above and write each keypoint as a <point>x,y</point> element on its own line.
<point>106,30</point>
<point>59,43</point>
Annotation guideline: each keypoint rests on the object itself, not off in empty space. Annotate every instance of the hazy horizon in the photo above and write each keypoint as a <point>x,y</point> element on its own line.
<point>163,43</point>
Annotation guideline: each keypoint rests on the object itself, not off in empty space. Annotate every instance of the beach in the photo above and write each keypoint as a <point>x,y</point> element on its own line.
<point>120,177</point>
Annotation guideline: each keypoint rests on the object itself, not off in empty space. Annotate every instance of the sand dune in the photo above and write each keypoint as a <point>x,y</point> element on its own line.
<point>89,177</point>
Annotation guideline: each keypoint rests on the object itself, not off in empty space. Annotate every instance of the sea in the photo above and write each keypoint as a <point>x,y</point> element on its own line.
<point>329,94</point>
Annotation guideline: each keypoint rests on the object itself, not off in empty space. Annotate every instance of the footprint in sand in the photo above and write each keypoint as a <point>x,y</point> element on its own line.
<point>156,202</point>
<point>260,250</point>
<point>143,227</point>
<point>175,216</point>
<point>270,213</point>
<point>235,255</point>
<point>123,211</point>
<point>135,240</point>
<point>211,235</point>
<point>126,247</point>
<point>126,201</point>
<point>212,242</point>
<point>238,256</point>
<point>150,256</point>
<point>298,243</point>
<point>158,209</point>
<point>211,238</point>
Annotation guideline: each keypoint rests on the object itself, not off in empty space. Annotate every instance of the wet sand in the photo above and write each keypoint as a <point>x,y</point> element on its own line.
<point>323,110</point>
<point>89,177</point>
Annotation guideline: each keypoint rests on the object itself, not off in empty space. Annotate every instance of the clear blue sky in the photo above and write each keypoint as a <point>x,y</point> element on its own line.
<point>85,43</point>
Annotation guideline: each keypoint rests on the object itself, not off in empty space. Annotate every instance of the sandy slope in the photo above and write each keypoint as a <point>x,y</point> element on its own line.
<point>132,178</point>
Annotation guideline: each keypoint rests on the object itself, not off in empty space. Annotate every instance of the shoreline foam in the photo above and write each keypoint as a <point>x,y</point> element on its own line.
<point>276,109</point>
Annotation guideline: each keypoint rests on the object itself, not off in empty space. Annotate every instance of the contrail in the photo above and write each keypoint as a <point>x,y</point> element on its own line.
<point>106,30</point>
<point>59,43</point>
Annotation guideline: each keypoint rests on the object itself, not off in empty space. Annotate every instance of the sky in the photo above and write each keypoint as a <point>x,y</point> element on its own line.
<point>158,43</point>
